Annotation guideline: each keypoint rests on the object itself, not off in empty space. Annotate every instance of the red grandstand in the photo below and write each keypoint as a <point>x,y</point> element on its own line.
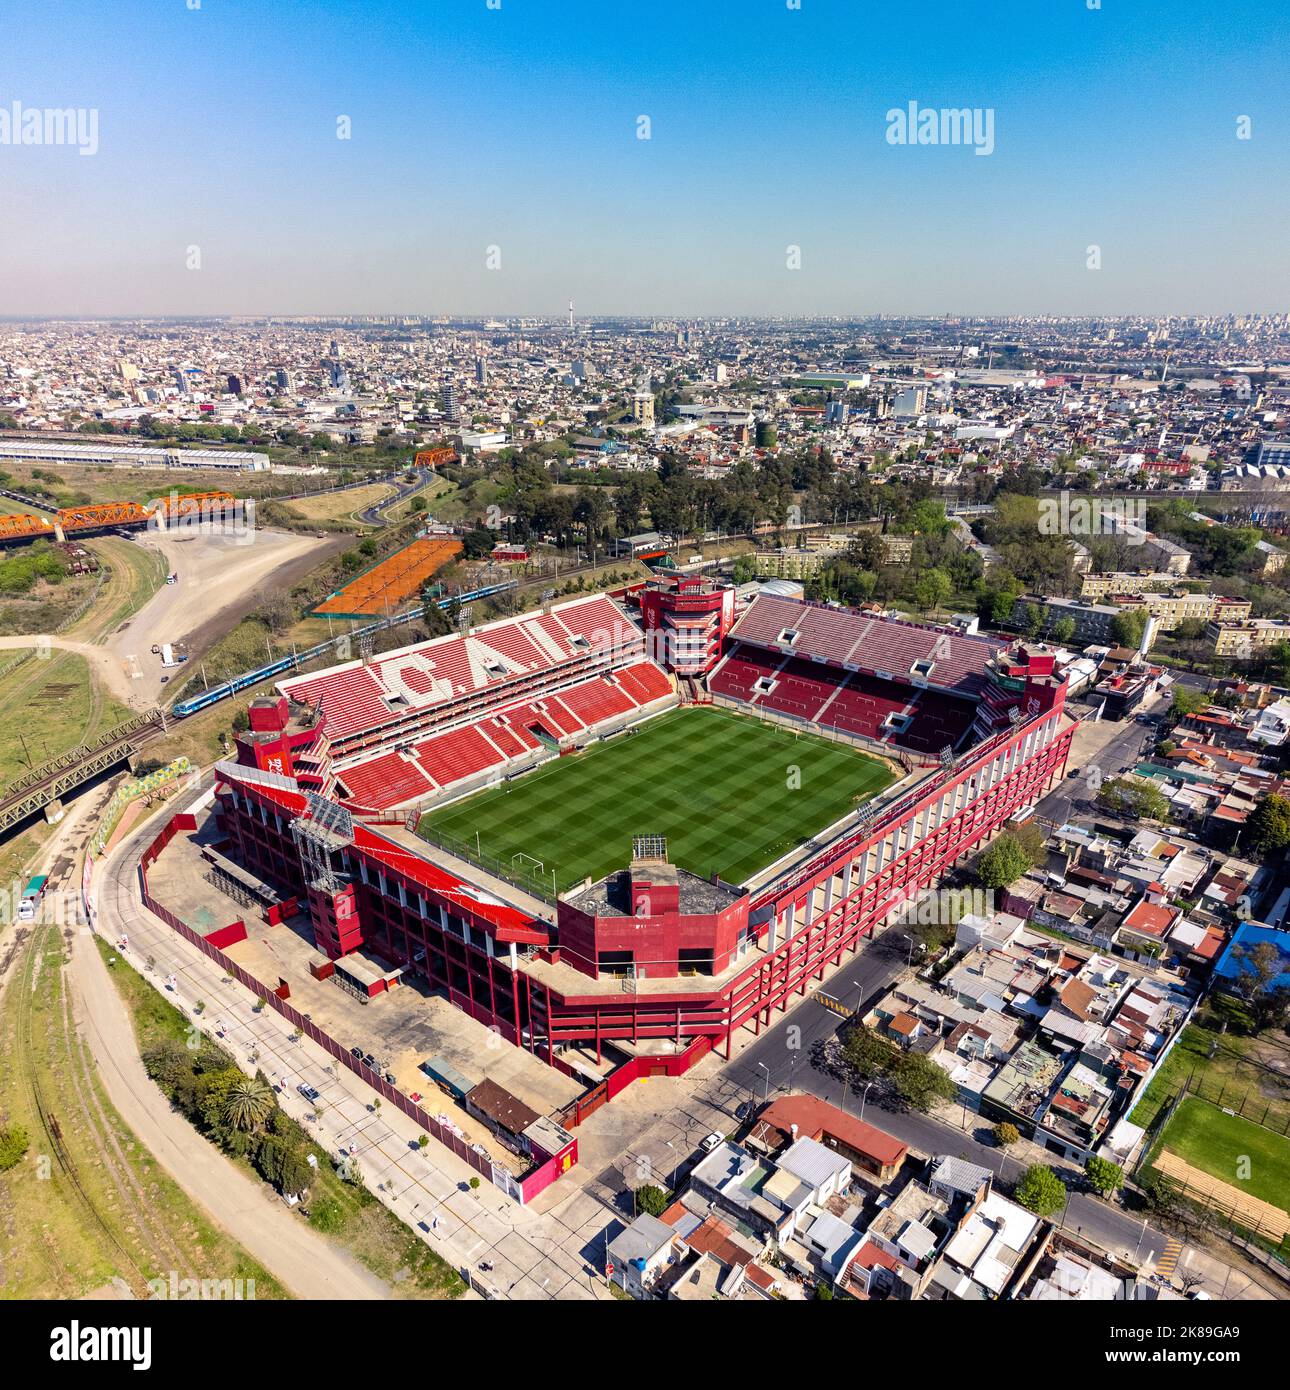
<point>894,682</point>
<point>405,727</point>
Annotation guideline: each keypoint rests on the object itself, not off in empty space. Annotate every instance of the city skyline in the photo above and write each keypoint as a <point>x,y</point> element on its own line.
<point>215,144</point>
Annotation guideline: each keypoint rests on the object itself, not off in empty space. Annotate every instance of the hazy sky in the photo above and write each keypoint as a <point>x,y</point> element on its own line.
<point>516,128</point>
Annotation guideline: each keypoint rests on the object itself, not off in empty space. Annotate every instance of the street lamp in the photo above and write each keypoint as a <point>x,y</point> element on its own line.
<point>765,1094</point>
<point>864,1097</point>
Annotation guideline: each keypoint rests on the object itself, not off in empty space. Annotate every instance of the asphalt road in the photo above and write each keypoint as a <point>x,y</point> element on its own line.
<point>1077,794</point>
<point>375,514</point>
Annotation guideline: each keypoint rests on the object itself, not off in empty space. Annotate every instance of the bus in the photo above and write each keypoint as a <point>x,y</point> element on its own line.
<point>31,896</point>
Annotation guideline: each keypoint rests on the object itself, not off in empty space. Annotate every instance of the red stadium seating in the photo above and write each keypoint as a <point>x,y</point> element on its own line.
<point>496,740</point>
<point>844,700</point>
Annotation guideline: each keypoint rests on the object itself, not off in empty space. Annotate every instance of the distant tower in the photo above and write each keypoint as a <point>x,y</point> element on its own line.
<point>481,371</point>
<point>571,316</point>
<point>643,408</point>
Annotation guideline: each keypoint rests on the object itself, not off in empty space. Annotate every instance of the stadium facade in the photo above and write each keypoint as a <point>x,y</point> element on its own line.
<point>332,775</point>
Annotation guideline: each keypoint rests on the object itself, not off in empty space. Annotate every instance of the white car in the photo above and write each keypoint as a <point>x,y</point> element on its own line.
<point>711,1142</point>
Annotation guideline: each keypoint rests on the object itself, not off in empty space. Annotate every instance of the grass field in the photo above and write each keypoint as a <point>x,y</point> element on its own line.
<point>731,795</point>
<point>341,503</point>
<point>95,1204</point>
<point>48,705</point>
<point>1228,1147</point>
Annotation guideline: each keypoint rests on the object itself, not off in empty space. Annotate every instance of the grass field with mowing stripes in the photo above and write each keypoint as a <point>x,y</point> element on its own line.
<point>720,786</point>
<point>1216,1142</point>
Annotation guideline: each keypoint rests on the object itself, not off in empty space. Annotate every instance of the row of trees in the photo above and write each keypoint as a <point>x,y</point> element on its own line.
<point>908,1080</point>
<point>240,1113</point>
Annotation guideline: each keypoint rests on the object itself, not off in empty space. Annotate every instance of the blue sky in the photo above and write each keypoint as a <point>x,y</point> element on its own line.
<point>516,128</point>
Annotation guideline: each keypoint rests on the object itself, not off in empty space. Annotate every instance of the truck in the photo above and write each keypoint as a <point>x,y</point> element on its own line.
<point>170,657</point>
<point>31,896</point>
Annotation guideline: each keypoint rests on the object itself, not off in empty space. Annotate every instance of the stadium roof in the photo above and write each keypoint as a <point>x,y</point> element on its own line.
<point>889,648</point>
<point>505,923</point>
<point>361,695</point>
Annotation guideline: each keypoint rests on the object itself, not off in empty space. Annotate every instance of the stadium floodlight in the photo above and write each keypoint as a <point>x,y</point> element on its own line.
<point>330,816</point>
<point>947,756</point>
<point>649,847</point>
<point>1014,715</point>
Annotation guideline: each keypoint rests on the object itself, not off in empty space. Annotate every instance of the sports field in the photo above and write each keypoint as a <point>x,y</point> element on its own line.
<point>731,795</point>
<point>1251,1158</point>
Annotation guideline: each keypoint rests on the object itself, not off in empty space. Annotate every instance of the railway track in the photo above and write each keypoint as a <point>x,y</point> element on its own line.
<point>63,774</point>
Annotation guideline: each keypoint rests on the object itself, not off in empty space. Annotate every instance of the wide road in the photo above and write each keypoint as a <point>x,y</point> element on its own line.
<point>375,514</point>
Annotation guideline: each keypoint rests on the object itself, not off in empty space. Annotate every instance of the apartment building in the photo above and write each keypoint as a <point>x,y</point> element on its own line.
<point>1246,639</point>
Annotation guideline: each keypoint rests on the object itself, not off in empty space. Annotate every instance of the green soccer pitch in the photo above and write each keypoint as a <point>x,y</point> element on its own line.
<point>722,787</point>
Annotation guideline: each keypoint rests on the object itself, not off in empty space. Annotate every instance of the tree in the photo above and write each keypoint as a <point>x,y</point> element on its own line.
<point>1186,702</point>
<point>919,1082</point>
<point>1003,863</point>
<point>1040,1190</point>
<point>1104,1176</point>
<point>13,1144</point>
<point>1033,619</point>
<point>478,542</point>
<point>248,1103</point>
<point>651,1200</point>
<point>1258,968</point>
<point>1064,630</point>
<point>931,589</point>
<point>1268,829</point>
<point>1128,626</point>
<point>1133,800</point>
<point>867,1053</point>
<point>1005,1134</point>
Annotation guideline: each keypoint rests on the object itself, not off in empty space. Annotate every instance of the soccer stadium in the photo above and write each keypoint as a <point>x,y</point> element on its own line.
<point>622,828</point>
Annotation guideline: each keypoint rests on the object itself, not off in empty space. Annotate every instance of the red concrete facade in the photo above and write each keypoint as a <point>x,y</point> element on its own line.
<point>686,618</point>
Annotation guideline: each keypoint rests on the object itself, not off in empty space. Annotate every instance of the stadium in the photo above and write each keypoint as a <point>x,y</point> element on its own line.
<point>624,827</point>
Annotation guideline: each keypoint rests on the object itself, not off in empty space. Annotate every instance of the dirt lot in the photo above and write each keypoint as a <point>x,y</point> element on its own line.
<point>220,580</point>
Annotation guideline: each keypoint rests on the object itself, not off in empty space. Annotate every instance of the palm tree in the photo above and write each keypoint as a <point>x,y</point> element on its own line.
<point>248,1104</point>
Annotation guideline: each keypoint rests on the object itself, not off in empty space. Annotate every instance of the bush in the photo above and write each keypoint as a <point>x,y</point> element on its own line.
<point>1005,1134</point>
<point>13,1144</point>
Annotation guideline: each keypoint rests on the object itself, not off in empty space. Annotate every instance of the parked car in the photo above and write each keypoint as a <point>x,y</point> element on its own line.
<point>712,1141</point>
<point>356,1052</point>
<point>308,1092</point>
<point>389,1076</point>
<point>369,1061</point>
